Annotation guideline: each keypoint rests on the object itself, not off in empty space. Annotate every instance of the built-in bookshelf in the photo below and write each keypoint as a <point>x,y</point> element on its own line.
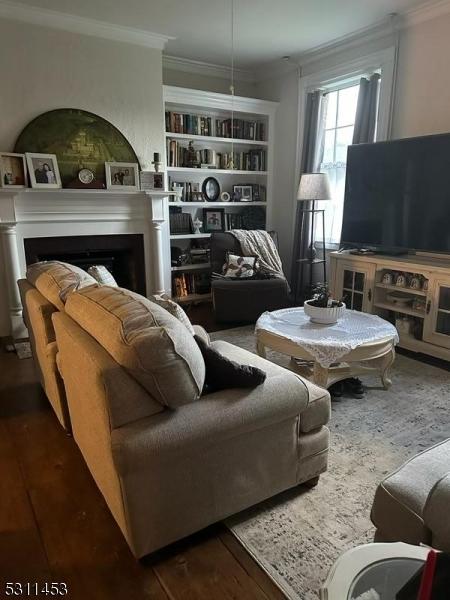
<point>231,140</point>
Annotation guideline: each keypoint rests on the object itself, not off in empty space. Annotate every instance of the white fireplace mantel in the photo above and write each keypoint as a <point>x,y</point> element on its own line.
<point>28,213</point>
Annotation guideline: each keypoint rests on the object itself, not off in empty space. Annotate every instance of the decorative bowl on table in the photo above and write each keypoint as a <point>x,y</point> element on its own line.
<point>325,315</point>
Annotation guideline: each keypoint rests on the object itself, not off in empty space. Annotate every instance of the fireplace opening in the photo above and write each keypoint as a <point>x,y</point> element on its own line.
<point>123,255</point>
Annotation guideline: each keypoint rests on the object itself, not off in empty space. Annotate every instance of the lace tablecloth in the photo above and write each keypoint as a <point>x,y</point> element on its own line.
<point>327,343</point>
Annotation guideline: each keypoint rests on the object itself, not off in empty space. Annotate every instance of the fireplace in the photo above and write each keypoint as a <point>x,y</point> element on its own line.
<point>122,254</point>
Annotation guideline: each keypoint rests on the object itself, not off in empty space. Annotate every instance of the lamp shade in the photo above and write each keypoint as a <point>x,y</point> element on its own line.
<point>314,186</point>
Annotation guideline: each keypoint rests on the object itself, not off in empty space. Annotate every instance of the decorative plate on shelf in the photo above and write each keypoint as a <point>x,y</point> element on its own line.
<point>82,142</point>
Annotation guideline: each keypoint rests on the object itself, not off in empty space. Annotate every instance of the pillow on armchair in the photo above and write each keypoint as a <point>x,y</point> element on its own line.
<point>240,267</point>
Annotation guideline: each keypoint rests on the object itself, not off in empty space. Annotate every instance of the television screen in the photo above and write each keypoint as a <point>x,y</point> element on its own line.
<point>397,195</point>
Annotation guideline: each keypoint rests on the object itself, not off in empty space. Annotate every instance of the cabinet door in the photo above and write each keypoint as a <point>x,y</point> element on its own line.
<point>354,285</point>
<point>436,327</point>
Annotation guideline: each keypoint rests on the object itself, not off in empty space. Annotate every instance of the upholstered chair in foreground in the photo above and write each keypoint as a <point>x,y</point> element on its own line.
<point>412,504</point>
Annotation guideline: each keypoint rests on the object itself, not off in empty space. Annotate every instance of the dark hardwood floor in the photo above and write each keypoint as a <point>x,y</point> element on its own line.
<point>56,527</point>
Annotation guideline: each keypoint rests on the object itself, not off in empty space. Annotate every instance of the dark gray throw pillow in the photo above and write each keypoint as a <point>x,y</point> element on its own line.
<point>223,373</point>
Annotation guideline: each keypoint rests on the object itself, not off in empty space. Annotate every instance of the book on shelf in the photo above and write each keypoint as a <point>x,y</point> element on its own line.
<point>250,160</point>
<point>186,284</point>
<point>188,123</point>
<point>180,222</point>
<point>234,221</point>
<point>240,129</point>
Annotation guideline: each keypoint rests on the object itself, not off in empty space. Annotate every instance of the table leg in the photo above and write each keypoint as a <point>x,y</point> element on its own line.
<point>386,363</point>
<point>260,348</point>
<point>320,375</point>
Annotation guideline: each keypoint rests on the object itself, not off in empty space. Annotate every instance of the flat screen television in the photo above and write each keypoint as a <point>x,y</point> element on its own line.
<point>397,195</point>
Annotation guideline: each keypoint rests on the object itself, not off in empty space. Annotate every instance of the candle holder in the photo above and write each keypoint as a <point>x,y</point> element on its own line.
<point>156,162</point>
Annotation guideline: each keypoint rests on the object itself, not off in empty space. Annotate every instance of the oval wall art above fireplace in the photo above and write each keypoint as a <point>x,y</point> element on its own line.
<point>80,140</point>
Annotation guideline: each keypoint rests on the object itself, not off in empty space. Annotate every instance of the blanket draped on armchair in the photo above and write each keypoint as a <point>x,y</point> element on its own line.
<point>259,243</point>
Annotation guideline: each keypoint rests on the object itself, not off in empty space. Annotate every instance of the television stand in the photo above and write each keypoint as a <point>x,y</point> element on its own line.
<point>366,282</point>
<point>362,251</point>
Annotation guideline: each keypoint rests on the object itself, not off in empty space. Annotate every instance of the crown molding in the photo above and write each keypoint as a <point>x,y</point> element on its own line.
<point>187,65</point>
<point>74,24</point>
<point>384,28</point>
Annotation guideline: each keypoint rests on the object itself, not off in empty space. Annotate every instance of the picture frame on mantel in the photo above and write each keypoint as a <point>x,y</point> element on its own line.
<point>13,170</point>
<point>122,176</point>
<point>43,170</point>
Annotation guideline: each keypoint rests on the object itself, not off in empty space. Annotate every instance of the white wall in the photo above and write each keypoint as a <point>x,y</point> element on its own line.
<point>423,84</point>
<point>44,69</point>
<point>198,81</point>
<point>283,89</point>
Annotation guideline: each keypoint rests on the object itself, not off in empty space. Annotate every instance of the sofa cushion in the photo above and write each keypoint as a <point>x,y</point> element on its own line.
<point>151,344</point>
<point>55,280</point>
<point>175,310</point>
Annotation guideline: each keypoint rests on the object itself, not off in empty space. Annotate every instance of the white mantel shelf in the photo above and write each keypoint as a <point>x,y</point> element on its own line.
<point>29,213</point>
<point>28,205</point>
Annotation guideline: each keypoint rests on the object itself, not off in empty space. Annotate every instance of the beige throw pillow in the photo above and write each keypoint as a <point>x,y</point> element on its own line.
<point>101,274</point>
<point>175,310</point>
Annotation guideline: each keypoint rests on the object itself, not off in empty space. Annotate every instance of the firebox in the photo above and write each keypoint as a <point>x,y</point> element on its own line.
<point>122,254</point>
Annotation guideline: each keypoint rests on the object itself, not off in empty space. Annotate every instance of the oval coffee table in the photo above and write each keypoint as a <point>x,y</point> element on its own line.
<point>359,343</point>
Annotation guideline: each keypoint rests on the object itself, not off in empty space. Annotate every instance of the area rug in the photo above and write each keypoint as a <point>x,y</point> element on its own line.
<point>298,535</point>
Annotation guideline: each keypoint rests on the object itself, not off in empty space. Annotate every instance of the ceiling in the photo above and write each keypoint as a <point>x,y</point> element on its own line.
<point>265,30</point>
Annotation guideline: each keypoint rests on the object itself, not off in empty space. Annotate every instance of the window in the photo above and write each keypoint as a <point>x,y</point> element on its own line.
<point>338,134</point>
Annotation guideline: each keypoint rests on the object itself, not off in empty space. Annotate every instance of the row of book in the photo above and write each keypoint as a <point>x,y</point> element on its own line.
<point>193,124</point>
<point>240,129</point>
<point>180,156</point>
<point>234,221</point>
<point>180,222</point>
<point>186,123</point>
<point>185,284</point>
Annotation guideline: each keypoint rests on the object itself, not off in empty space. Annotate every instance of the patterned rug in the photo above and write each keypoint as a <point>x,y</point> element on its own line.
<point>298,535</point>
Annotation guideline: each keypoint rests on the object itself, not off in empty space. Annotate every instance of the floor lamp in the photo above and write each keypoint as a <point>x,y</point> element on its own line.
<point>313,187</point>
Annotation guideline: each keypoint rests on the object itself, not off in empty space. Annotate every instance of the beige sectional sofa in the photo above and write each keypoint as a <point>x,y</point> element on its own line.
<point>168,459</point>
<point>43,292</point>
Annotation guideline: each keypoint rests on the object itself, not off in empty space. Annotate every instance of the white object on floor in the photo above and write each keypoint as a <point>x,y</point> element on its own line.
<point>369,595</point>
<point>352,563</point>
<point>23,350</point>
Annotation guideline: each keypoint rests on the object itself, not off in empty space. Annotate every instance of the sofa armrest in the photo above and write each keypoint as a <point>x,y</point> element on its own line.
<point>435,513</point>
<point>211,420</point>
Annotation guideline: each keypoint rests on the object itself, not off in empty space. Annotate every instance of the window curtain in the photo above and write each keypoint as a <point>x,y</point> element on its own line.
<point>312,151</point>
<point>366,110</point>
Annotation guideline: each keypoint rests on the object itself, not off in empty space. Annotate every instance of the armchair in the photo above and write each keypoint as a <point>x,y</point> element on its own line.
<point>242,300</point>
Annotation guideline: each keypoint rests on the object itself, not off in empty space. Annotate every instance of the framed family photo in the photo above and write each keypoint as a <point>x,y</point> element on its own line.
<point>124,176</point>
<point>43,170</point>
<point>242,193</point>
<point>213,219</point>
<point>13,170</point>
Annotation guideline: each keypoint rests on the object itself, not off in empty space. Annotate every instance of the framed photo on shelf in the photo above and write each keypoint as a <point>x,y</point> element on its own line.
<point>151,180</point>
<point>124,176</point>
<point>43,170</point>
<point>213,220</point>
<point>13,170</point>
<point>242,193</point>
